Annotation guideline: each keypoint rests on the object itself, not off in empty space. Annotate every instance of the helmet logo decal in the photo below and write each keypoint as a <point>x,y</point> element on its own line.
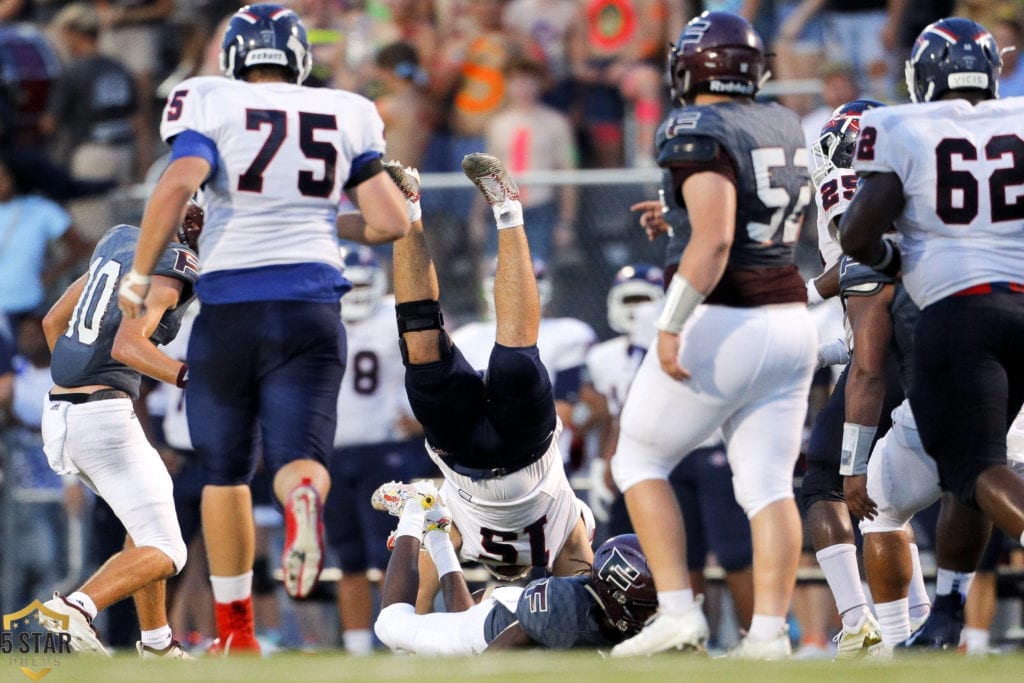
<point>694,32</point>
<point>618,571</point>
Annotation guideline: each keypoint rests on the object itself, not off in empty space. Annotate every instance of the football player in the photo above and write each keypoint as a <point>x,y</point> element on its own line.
<point>274,158</point>
<point>90,429</point>
<point>745,358</point>
<point>939,169</point>
<point>376,440</point>
<point>597,607</point>
<point>494,435</point>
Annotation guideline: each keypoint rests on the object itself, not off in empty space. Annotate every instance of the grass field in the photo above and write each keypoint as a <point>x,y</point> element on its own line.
<point>527,666</point>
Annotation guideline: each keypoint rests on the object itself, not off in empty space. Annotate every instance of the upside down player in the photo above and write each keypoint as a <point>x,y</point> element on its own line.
<point>90,429</point>
<point>268,345</point>
<point>494,437</point>
<point>598,607</point>
<point>745,358</point>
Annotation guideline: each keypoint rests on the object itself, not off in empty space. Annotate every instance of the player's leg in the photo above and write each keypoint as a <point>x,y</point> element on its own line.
<point>221,409</point>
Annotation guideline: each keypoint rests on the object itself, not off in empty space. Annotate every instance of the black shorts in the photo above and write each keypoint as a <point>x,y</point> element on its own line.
<point>505,420</point>
<point>968,384</point>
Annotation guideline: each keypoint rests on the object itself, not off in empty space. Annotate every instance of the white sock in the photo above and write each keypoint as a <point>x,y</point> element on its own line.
<point>894,621</point>
<point>675,602</point>
<point>948,581</point>
<point>975,640</point>
<point>412,520</point>
<point>83,601</point>
<point>508,214</point>
<point>920,603</point>
<point>763,627</point>
<point>158,638</point>
<point>839,564</point>
<point>358,641</point>
<point>442,552</point>
<point>228,589</point>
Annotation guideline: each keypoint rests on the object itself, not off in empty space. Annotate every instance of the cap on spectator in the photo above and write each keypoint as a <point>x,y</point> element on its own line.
<point>79,17</point>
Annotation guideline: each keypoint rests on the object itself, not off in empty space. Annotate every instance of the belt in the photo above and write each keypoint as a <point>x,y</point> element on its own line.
<point>989,287</point>
<point>101,395</point>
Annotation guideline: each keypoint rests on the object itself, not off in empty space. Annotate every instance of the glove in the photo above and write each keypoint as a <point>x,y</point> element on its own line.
<point>601,497</point>
<point>834,352</point>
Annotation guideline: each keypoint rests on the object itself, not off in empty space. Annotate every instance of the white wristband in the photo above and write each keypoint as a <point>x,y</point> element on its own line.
<point>680,303</point>
<point>442,552</point>
<point>856,449</point>
<point>508,214</point>
<point>133,278</point>
<point>415,210</point>
<point>814,297</point>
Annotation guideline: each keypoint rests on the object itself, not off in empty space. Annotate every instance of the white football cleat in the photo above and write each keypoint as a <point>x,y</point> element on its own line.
<point>303,555</point>
<point>83,635</point>
<point>772,649</point>
<point>861,641</point>
<point>392,496</point>
<point>686,631</point>
<point>172,651</point>
<point>407,179</point>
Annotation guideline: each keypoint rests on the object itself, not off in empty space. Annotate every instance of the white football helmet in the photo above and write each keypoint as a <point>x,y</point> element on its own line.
<point>633,285</point>
<point>540,272</point>
<point>369,283</point>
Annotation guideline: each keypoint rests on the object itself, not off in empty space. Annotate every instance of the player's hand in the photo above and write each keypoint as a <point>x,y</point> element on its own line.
<point>652,218</point>
<point>131,296</point>
<point>602,495</point>
<point>855,489</point>
<point>668,356</point>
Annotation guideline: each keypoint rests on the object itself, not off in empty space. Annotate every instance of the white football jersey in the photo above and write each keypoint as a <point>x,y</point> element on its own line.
<point>372,396</point>
<point>611,366</point>
<point>963,223</point>
<point>1015,440</point>
<point>562,342</point>
<point>832,197</point>
<point>284,153</point>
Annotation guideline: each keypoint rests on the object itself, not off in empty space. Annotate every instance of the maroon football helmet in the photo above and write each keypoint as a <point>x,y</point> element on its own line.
<point>622,583</point>
<point>719,53</point>
<point>192,225</point>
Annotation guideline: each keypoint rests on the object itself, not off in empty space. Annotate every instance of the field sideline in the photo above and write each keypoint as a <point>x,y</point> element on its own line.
<point>523,667</point>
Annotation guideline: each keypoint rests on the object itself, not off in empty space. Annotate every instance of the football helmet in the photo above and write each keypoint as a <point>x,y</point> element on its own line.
<point>717,52</point>
<point>192,225</point>
<point>265,34</point>
<point>633,285</point>
<point>540,272</point>
<point>838,139</point>
<point>369,283</point>
<point>622,583</point>
<point>953,54</point>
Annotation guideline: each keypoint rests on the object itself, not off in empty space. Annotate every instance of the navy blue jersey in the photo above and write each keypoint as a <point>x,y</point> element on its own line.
<point>856,279</point>
<point>766,146</point>
<point>557,612</point>
<point>82,354</point>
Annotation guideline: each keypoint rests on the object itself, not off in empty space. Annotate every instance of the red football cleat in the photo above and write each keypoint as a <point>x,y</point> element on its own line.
<point>303,555</point>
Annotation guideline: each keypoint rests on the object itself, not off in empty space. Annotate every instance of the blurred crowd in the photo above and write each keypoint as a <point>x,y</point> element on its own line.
<point>543,84</point>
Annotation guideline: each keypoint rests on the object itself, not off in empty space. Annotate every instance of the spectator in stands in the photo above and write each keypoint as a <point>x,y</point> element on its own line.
<point>549,24</point>
<point>133,31</point>
<point>838,86</point>
<point>406,111</point>
<point>619,59</point>
<point>29,225</point>
<point>93,114</point>
<point>853,33</point>
<point>799,48</point>
<point>534,137</point>
<point>1008,31</point>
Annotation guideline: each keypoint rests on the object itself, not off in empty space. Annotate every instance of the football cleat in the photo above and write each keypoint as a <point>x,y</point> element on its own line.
<point>236,629</point>
<point>863,640</point>
<point>172,651</point>
<point>303,555</point>
<point>407,179</point>
<point>686,631</point>
<point>235,646</point>
<point>773,649</point>
<point>392,496</point>
<point>489,175</point>
<point>438,518</point>
<point>83,636</point>
<point>941,630</point>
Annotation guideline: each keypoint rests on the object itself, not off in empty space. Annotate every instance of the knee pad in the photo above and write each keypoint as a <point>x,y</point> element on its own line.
<point>757,490</point>
<point>420,316</point>
<point>631,465</point>
<point>175,549</point>
<point>391,626</point>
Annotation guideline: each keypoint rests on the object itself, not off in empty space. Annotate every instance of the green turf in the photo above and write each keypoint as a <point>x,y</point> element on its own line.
<point>527,666</point>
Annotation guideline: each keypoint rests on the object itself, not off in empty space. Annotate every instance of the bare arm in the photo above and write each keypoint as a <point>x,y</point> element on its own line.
<point>56,321</point>
<point>877,203</point>
<point>513,637</point>
<point>132,345</point>
<point>827,283</point>
<point>382,205</point>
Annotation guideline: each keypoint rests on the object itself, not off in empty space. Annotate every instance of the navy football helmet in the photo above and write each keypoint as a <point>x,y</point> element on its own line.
<point>269,35</point>
<point>953,54</point>
<point>369,283</point>
<point>192,225</point>
<point>633,286</point>
<point>838,139</point>
<point>622,583</point>
<point>717,52</point>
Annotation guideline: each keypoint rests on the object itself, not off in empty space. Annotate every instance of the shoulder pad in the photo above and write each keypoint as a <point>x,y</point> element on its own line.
<point>856,279</point>
<point>688,149</point>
